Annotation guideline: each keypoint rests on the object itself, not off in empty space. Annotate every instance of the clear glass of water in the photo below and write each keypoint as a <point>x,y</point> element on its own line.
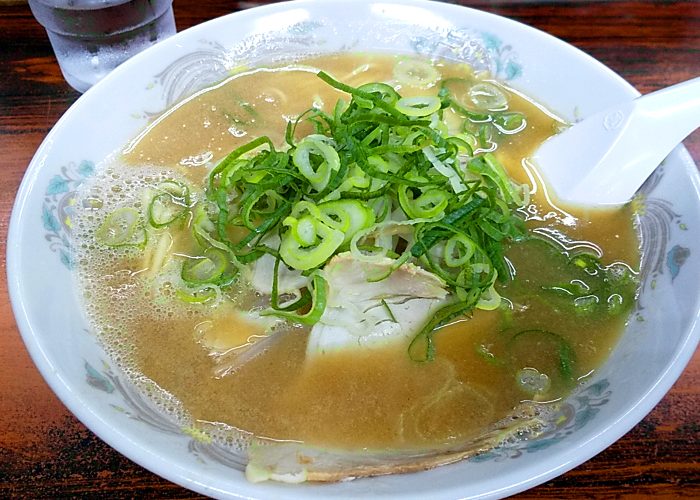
<point>92,37</point>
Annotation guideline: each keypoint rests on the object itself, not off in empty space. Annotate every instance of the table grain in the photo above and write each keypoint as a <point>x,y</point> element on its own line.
<point>46,453</point>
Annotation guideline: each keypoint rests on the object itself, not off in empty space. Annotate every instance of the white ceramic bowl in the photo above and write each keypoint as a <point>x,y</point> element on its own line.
<point>655,348</point>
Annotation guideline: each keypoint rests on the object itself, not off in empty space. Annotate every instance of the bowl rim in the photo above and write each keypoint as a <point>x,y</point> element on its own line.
<point>157,463</point>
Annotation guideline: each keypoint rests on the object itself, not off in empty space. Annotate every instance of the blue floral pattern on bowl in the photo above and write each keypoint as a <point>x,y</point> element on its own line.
<point>59,204</point>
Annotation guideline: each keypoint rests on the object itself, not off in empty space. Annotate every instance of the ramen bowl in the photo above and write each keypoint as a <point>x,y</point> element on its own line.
<point>658,341</point>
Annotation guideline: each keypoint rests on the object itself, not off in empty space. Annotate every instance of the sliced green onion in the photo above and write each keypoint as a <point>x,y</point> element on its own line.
<point>304,257</point>
<point>303,299</point>
<point>121,228</point>
<point>383,233</point>
<point>488,97</point>
<point>463,144</point>
<point>201,295</point>
<point>258,203</point>
<point>202,226</point>
<point>457,92</point>
<point>510,123</point>
<point>489,167</point>
<point>318,304</point>
<point>259,231</point>
<point>176,189</point>
<point>448,171</point>
<point>459,250</point>
<point>567,356</point>
<point>304,230</point>
<point>419,105</point>
<point>431,203</point>
<point>489,300</point>
<point>355,180</point>
<point>385,92</point>
<point>470,139</point>
<point>231,161</point>
<point>422,347</point>
<point>356,92</point>
<point>207,268</point>
<point>168,206</point>
<point>347,216</point>
<point>416,73</point>
<point>303,207</point>
<point>328,161</point>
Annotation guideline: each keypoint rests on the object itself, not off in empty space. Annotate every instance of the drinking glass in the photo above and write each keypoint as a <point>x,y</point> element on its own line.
<point>92,37</point>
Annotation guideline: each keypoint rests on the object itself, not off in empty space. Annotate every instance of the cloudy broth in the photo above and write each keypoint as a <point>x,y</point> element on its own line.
<point>374,399</point>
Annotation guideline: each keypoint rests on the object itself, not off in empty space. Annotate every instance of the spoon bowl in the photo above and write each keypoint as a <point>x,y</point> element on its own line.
<point>604,159</point>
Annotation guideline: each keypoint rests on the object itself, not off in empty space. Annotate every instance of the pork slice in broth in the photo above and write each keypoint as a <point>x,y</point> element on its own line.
<point>365,314</point>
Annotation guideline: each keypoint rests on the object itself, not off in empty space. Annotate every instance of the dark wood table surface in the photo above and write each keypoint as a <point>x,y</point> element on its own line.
<point>46,453</point>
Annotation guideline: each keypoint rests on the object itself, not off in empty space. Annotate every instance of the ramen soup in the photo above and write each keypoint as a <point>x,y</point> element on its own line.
<point>350,256</point>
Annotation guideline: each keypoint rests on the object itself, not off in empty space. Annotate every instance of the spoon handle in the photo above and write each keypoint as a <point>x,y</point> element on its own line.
<point>671,114</point>
<point>604,159</point>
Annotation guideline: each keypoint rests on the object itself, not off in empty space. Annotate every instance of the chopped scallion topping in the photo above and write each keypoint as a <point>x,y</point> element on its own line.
<point>382,175</point>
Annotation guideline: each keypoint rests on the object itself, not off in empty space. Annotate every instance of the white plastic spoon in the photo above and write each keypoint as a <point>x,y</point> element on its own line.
<point>605,158</point>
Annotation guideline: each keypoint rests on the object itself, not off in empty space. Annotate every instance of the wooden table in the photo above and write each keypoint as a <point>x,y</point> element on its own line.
<point>45,452</point>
